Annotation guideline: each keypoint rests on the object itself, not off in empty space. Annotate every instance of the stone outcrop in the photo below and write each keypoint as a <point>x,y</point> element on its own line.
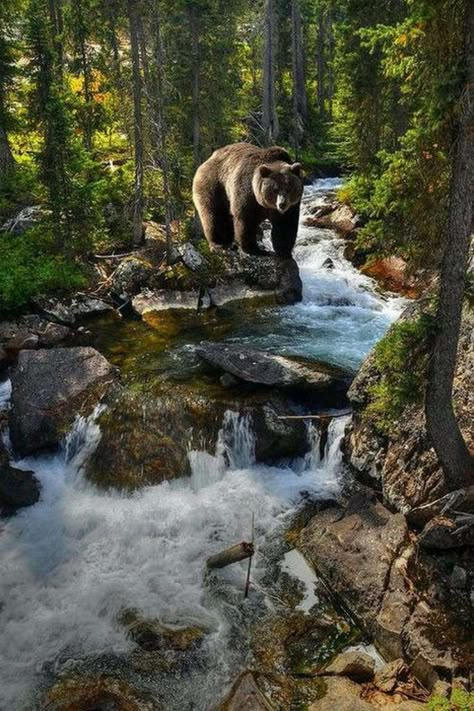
<point>49,388</point>
<point>402,597</point>
<point>403,466</point>
<point>201,281</point>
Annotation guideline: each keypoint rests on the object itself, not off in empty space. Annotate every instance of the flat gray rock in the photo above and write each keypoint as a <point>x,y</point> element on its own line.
<point>263,368</point>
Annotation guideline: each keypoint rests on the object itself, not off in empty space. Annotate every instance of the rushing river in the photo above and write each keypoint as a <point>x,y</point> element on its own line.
<point>73,562</point>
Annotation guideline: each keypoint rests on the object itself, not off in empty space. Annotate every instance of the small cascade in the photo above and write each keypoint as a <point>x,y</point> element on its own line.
<point>5,394</point>
<point>82,439</point>
<point>235,449</point>
<point>313,457</point>
<point>237,440</point>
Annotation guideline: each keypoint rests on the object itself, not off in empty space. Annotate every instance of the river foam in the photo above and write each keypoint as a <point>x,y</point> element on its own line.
<point>71,563</point>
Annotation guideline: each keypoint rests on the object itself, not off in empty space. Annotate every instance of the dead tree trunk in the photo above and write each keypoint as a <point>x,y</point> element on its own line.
<point>270,117</point>
<point>443,429</point>
<point>133,10</point>
<point>299,86</point>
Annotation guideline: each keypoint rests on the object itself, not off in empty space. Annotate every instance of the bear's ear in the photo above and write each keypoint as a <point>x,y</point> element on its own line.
<point>297,169</point>
<point>264,171</point>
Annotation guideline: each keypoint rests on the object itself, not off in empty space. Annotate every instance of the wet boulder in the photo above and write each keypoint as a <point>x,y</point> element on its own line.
<point>17,488</point>
<point>340,218</point>
<point>245,695</point>
<point>358,666</point>
<point>262,368</point>
<point>49,388</point>
<point>146,439</point>
<point>277,438</point>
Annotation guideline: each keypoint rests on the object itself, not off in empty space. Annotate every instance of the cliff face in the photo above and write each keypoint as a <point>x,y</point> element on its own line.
<point>403,466</point>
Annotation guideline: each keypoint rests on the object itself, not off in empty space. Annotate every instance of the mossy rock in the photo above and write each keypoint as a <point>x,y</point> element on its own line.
<point>91,693</point>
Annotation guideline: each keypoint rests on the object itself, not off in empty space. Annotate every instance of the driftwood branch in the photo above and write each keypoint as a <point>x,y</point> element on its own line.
<point>113,256</point>
<point>234,554</point>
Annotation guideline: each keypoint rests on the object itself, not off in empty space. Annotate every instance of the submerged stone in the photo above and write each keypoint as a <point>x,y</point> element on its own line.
<point>97,693</point>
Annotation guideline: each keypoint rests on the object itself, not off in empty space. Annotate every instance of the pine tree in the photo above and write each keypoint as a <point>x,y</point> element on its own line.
<point>6,73</point>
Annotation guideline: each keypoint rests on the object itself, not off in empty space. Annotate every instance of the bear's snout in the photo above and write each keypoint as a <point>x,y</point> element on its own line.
<point>282,203</point>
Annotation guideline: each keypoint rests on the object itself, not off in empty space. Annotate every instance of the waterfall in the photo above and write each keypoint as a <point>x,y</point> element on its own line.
<point>5,394</point>
<point>237,440</point>
<point>235,449</point>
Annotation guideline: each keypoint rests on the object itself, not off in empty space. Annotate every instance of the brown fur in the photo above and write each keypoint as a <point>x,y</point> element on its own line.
<point>239,187</point>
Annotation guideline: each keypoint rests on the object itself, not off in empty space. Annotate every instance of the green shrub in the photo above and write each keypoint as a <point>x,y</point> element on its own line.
<point>29,267</point>
<point>460,701</point>
<point>401,358</point>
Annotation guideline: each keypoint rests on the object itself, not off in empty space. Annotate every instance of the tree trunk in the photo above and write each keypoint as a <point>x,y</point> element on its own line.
<point>321,65</point>
<point>299,86</point>
<point>443,429</point>
<point>195,74</point>
<point>160,128</point>
<point>86,75</point>
<point>6,157</point>
<point>270,117</point>
<point>56,20</point>
<point>138,119</point>
<point>330,31</point>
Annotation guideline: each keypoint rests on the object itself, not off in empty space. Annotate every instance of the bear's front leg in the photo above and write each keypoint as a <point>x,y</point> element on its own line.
<point>245,230</point>
<point>285,231</point>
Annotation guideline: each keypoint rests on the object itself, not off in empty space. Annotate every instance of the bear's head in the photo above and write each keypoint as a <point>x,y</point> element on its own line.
<point>278,186</point>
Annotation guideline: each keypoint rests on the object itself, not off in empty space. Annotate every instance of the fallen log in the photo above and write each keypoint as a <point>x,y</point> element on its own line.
<point>234,554</point>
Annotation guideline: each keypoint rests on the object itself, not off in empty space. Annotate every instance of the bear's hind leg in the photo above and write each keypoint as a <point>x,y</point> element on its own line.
<point>246,230</point>
<point>217,226</point>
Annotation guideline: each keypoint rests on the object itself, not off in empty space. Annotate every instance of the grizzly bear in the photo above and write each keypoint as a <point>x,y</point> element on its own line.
<point>240,186</point>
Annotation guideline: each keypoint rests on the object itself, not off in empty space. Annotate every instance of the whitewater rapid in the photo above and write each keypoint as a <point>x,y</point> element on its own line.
<point>71,563</point>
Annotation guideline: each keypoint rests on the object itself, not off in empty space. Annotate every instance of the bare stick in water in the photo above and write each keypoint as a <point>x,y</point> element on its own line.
<point>247,584</point>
